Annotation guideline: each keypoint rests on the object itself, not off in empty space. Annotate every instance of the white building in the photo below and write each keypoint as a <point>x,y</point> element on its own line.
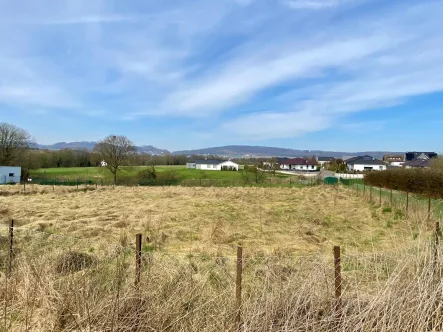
<point>298,164</point>
<point>365,163</point>
<point>10,174</point>
<point>212,165</point>
<point>103,163</point>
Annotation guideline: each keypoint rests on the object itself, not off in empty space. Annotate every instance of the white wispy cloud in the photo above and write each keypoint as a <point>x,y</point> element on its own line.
<point>315,4</point>
<point>88,19</point>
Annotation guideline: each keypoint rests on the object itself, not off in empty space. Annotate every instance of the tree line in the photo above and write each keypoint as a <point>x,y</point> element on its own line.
<point>16,149</point>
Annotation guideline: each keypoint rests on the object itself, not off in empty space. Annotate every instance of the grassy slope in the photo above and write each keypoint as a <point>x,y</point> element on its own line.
<point>130,171</point>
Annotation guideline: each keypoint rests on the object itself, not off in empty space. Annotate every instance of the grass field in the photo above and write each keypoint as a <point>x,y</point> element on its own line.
<point>181,172</point>
<point>74,260</point>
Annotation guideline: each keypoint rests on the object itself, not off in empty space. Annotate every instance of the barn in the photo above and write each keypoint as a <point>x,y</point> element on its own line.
<point>10,174</point>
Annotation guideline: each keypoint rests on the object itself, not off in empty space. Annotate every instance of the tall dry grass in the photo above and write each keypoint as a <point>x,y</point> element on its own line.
<point>63,280</point>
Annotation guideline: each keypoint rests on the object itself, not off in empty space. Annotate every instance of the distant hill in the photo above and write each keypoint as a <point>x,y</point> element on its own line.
<point>266,151</point>
<point>90,145</point>
<point>232,151</point>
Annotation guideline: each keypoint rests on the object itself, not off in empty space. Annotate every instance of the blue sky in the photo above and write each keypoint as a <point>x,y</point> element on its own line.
<point>342,75</point>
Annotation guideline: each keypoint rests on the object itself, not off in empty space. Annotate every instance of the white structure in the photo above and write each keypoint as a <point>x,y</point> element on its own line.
<point>212,165</point>
<point>349,176</point>
<point>10,174</point>
<point>298,164</point>
<point>324,160</point>
<point>365,163</point>
<point>103,163</point>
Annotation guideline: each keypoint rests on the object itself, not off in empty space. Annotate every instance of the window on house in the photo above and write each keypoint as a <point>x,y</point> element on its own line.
<point>11,175</point>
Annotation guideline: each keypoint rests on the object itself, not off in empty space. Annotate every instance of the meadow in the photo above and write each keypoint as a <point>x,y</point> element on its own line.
<point>75,252</point>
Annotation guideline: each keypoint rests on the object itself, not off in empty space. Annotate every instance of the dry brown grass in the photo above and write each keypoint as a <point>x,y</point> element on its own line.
<point>188,279</point>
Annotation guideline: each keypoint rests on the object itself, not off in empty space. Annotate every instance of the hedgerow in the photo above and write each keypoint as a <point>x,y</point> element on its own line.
<point>424,182</point>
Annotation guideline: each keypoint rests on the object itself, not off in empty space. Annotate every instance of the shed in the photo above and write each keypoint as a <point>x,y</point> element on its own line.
<point>10,174</point>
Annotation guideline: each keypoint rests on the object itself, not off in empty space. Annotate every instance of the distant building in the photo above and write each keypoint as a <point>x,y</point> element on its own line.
<point>409,156</point>
<point>298,164</point>
<point>212,165</point>
<point>365,163</point>
<point>103,163</point>
<point>324,160</point>
<point>10,174</point>
<point>418,163</point>
<point>395,160</point>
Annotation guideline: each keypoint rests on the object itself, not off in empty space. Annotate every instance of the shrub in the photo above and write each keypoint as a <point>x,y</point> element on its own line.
<point>425,182</point>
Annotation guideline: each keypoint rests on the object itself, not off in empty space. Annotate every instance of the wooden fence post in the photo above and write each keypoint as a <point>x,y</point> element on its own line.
<point>138,258</point>
<point>380,195</point>
<point>24,186</point>
<point>338,280</point>
<point>429,208</point>
<point>77,184</point>
<point>290,182</point>
<point>11,247</point>
<point>238,285</point>
<point>370,193</point>
<point>364,190</point>
<point>391,199</point>
<point>437,234</point>
<point>407,203</point>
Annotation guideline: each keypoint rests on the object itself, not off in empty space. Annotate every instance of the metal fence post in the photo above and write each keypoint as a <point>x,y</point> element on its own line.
<point>11,246</point>
<point>138,258</point>
<point>238,285</point>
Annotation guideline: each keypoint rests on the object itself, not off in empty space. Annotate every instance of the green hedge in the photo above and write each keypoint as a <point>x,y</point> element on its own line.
<point>425,182</point>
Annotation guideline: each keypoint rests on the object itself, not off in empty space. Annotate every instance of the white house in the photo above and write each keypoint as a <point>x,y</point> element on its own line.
<point>298,164</point>
<point>103,163</point>
<point>324,160</point>
<point>212,165</point>
<point>365,163</point>
<point>10,174</point>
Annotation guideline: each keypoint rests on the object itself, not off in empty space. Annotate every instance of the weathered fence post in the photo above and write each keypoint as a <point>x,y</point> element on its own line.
<point>391,199</point>
<point>290,182</point>
<point>138,258</point>
<point>407,203</point>
<point>429,208</point>
<point>11,247</point>
<point>370,193</point>
<point>364,190</point>
<point>238,285</point>
<point>338,280</point>
<point>437,234</point>
<point>380,196</point>
<point>77,184</point>
<point>24,187</point>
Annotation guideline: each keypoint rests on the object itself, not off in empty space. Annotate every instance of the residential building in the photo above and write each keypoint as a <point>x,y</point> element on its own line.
<point>418,163</point>
<point>365,163</point>
<point>10,174</point>
<point>409,156</point>
<point>298,164</point>
<point>395,160</point>
<point>324,160</point>
<point>212,165</point>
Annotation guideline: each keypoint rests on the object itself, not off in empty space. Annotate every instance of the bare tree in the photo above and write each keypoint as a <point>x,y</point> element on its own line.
<point>115,150</point>
<point>13,142</point>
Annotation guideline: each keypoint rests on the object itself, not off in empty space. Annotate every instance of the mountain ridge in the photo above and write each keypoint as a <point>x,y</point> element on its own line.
<point>226,151</point>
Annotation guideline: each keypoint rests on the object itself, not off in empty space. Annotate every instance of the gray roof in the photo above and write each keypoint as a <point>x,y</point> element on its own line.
<point>208,161</point>
<point>364,160</point>
<point>418,163</point>
<point>325,158</point>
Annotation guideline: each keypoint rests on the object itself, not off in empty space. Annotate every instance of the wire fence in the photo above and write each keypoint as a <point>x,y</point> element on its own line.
<point>54,282</point>
<point>405,204</point>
